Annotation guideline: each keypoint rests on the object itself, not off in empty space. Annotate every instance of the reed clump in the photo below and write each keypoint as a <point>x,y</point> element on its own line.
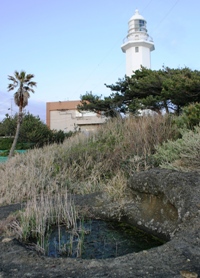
<point>35,221</point>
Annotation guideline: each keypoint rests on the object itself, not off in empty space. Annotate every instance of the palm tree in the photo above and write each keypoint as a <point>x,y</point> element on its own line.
<point>25,84</point>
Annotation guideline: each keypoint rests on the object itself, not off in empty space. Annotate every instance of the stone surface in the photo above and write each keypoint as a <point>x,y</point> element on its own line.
<point>166,203</point>
<point>188,274</point>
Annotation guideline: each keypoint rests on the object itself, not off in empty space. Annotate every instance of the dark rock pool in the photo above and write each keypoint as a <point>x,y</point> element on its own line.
<point>97,239</point>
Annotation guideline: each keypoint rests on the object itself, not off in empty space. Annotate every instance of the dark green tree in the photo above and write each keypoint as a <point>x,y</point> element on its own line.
<point>181,87</point>
<point>33,132</point>
<point>98,105</point>
<point>166,90</point>
<point>8,126</point>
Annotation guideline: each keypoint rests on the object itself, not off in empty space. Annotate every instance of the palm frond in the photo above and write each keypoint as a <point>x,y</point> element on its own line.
<point>23,75</point>
<point>31,90</point>
<point>28,89</point>
<point>21,98</point>
<point>11,78</point>
<point>16,99</point>
<point>26,95</point>
<point>11,87</point>
<point>29,76</point>
<point>25,84</point>
<point>32,84</point>
<point>17,75</point>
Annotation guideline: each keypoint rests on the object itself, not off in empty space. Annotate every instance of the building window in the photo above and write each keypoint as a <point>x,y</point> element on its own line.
<point>140,25</point>
<point>136,49</point>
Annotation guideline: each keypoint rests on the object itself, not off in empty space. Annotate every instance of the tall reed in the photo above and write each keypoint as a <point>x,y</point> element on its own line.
<point>39,215</point>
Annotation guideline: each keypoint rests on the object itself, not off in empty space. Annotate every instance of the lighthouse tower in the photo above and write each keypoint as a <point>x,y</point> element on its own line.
<point>137,45</point>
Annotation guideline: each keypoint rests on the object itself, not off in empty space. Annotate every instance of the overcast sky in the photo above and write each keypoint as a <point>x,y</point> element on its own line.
<point>75,46</point>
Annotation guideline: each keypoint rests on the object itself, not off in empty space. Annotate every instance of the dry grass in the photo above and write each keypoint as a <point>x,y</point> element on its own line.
<point>5,226</point>
<point>85,164</point>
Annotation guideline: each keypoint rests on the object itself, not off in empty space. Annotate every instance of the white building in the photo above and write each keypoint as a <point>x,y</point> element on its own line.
<point>137,45</point>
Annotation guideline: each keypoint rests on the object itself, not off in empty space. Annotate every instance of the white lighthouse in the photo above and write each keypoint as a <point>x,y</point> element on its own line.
<point>137,45</point>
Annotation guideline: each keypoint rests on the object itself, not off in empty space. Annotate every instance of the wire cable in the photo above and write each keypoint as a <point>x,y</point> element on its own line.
<point>146,6</point>
<point>166,15</point>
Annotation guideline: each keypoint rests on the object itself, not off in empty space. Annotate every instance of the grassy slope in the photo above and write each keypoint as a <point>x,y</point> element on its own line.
<point>101,161</point>
<point>84,164</point>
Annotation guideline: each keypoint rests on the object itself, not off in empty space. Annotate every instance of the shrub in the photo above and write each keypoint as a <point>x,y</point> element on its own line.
<point>190,116</point>
<point>182,154</point>
<point>5,143</point>
<point>4,153</point>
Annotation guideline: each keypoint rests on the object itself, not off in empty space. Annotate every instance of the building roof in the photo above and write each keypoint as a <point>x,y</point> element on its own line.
<point>66,105</point>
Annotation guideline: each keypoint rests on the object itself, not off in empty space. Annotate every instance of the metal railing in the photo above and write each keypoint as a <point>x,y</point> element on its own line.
<point>135,38</point>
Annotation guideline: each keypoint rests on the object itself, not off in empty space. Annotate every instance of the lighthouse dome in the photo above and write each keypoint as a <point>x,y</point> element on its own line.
<point>137,15</point>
